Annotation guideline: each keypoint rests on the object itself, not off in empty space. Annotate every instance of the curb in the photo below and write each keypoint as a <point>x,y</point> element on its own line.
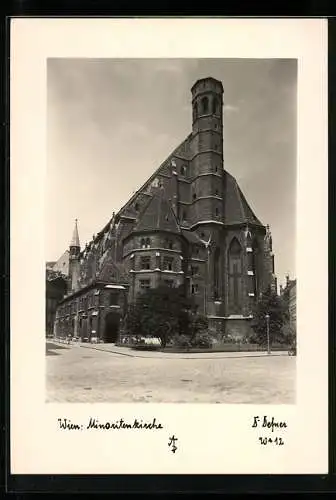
<point>178,357</point>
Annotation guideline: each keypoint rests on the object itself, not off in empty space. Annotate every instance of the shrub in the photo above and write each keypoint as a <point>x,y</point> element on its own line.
<point>203,340</point>
<point>182,341</point>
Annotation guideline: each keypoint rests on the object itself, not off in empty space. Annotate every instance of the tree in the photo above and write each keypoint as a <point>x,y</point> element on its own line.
<point>272,304</point>
<point>289,333</point>
<point>160,312</point>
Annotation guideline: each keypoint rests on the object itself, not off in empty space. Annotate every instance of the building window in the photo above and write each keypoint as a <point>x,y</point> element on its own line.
<point>169,283</point>
<point>217,273</point>
<point>216,192</point>
<point>195,111</point>
<point>205,105</point>
<point>114,299</point>
<point>214,105</point>
<point>168,264</point>
<point>217,212</point>
<point>168,244</point>
<point>194,270</point>
<point>183,170</point>
<point>144,284</point>
<point>145,262</point>
<point>216,168</point>
<point>194,288</point>
<point>145,243</point>
<point>235,277</point>
<point>194,196</point>
<point>184,215</point>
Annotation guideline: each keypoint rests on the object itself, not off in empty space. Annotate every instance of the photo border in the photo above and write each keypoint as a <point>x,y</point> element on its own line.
<point>210,483</point>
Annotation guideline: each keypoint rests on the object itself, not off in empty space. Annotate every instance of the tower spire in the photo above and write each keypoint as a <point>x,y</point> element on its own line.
<point>75,238</point>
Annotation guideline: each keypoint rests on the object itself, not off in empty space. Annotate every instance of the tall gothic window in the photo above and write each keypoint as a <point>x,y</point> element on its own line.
<point>235,277</point>
<point>216,273</point>
<point>255,257</point>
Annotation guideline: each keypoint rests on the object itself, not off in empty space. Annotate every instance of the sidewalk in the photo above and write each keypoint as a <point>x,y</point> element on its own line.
<point>126,351</point>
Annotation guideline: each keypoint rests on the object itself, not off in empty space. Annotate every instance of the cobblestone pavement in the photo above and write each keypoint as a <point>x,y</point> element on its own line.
<point>93,374</point>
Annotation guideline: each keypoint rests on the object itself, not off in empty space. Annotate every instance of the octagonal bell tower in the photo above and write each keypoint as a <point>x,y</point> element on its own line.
<point>207,185</point>
<point>207,147</point>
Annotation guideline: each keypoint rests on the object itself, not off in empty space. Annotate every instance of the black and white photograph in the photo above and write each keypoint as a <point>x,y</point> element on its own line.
<point>169,195</point>
<point>171,209</point>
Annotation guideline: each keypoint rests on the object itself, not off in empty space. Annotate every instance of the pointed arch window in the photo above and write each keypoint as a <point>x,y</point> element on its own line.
<point>217,273</point>
<point>255,257</point>
<point>235,277</point>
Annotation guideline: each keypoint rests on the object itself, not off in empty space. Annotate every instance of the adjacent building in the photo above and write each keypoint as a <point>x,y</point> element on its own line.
<point>189,225</point>
<point>288,292</point>
<point>56,288</point>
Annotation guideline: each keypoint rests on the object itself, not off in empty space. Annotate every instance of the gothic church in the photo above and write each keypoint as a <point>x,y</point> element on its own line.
<point>189,225</point>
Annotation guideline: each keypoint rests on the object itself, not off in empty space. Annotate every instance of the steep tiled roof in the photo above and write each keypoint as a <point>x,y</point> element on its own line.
<point>62,265</point>
<point>182,150</point>
<point>237,210</point>
<point>158,215</point>
<point>191,237</point>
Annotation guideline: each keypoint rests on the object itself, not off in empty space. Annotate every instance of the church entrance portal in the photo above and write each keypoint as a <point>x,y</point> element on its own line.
<point>112,323</point>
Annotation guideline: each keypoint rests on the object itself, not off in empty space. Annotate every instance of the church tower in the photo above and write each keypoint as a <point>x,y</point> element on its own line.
<point>207,187</point>
<point>207,147</point>
<point>74,259</point>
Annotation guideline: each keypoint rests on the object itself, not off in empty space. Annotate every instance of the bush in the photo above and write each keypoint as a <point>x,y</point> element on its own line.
<point>182,341</point>
<point>203,340</point>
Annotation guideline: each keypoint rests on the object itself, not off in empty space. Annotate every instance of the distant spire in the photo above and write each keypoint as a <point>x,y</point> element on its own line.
<point>75,237</point>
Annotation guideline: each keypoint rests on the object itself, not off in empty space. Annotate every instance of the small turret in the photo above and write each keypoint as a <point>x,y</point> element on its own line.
<point>74,258</point>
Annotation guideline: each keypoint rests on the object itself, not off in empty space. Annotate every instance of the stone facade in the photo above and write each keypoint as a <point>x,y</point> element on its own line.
<point>289,295</point>
<point>189,225</point>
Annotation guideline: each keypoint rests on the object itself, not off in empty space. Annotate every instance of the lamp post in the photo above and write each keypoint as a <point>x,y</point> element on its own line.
<point>268,333</point>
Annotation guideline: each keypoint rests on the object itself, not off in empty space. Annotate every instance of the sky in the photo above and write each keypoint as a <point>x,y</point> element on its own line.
<point>112,122</point>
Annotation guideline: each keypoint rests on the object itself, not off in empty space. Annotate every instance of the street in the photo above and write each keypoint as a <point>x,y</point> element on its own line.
<point>84,373</point>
